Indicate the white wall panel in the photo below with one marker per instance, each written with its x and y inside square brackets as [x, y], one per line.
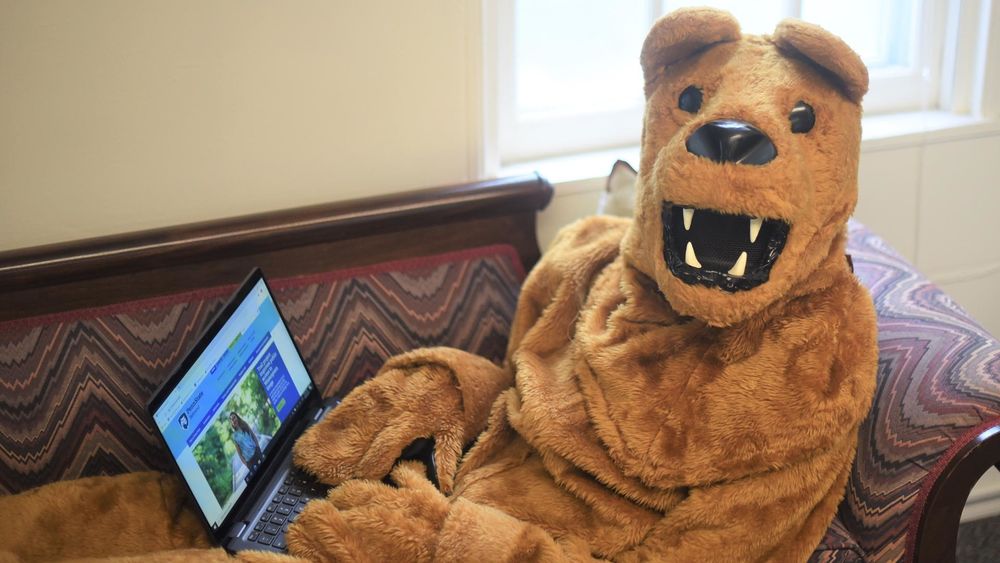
[984, 500]
[568, 206]
[959, 209]
[979, 297]
[887, 196]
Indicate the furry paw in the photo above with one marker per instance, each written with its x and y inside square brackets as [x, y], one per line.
[364, 520]
[366, 433]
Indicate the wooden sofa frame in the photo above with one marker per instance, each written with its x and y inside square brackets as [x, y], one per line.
[100, 271]
[935, 536]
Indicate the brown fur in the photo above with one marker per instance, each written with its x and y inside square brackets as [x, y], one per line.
[136, 517]
[648, 419]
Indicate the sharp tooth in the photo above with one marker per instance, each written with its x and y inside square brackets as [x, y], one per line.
[755, 229]
[740, 267]
[688, 215]
[689, 258]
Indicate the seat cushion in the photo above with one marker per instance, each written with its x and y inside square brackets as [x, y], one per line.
[73, 386]
[938, 377]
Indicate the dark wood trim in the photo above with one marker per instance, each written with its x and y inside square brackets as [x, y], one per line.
[937, 528]
[269, 231]
[310, 239]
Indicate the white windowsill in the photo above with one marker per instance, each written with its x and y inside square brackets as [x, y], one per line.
[586, 171]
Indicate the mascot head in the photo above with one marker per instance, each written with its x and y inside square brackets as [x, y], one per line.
[749, 162]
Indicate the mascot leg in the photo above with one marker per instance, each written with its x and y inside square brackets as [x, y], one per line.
[128, 514]
[434, 392]
[141, 517]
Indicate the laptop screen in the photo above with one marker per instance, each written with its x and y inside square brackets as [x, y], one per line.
[220, 417]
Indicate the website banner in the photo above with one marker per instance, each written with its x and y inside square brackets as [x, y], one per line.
[277, 382]
[221, 379]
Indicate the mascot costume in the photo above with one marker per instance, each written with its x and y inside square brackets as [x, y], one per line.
[684, 386]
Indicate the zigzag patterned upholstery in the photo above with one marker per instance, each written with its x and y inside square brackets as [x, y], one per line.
[938, 377]
[837, 546]
[73, 386]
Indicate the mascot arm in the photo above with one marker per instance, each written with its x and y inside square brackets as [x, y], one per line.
[433, 392]
[778, 515]
[559, 282]
[365, 520]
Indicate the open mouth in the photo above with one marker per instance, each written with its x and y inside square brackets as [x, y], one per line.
[731, 252]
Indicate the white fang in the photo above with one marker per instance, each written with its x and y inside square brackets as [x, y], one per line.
[755, 229]
[689, 258]
[740, 267]
[688, 216]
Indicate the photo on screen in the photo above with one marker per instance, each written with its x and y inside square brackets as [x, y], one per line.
[236, 438]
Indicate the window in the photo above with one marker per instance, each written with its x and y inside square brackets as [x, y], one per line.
[568, 77]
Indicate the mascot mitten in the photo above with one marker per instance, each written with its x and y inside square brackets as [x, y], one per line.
[439, 393]
[687, 386]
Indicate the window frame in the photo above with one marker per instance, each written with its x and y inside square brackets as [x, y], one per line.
[923, 86]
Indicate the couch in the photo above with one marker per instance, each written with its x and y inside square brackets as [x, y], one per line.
[89, 329]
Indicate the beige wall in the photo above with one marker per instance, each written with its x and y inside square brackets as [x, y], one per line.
[118, 115]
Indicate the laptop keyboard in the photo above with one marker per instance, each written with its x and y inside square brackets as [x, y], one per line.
[290, 500]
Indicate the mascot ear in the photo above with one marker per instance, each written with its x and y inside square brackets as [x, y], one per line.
[682, 33]
[838, 62]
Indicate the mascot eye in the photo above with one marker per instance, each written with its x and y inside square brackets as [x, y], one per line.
[690, 100]
[802, 117]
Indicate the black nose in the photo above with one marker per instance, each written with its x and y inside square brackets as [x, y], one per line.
[728, 140]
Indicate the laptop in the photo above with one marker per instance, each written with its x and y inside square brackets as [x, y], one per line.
[229, 415]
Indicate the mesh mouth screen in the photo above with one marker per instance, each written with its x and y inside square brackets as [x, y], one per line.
[718, 239]
[709, 247]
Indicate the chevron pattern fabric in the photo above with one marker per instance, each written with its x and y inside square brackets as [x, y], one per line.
[73, 386]
[837, 546]
[938, 376]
